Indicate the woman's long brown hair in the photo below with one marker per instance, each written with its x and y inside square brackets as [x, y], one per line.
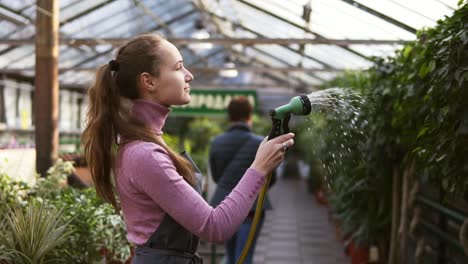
[109, 122]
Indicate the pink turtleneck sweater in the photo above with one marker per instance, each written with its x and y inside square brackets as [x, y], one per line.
[149, 187]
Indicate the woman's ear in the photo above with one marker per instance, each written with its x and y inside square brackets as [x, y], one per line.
[147, 82]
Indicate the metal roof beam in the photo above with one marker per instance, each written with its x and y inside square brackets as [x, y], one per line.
[216, 41]
[214, 85]
[8, 49]
[381, 16]
[14, 16]
[264, 69]
[207, 69]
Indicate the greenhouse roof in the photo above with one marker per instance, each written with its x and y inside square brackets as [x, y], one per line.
[276, 46]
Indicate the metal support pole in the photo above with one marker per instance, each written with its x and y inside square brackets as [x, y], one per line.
[46, 84]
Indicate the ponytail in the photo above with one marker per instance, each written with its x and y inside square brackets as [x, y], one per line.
[100, 135]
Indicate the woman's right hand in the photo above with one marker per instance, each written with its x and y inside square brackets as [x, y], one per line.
[270, 153]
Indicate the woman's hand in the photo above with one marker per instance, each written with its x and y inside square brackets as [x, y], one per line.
[271, 152]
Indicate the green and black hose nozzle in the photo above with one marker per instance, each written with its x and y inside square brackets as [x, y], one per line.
[299, 105]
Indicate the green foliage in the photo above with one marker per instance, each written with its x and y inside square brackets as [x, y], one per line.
[261, 125]
[429, 112]
[201, 131]
[94, 225]
[90, 223]
[196, 136]
[56, 179]
[415, 113]
[11, 193]
[29, 236]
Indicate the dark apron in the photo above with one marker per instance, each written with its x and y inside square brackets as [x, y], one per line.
[171, 243]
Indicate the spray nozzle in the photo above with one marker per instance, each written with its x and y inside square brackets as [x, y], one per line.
[299, 105]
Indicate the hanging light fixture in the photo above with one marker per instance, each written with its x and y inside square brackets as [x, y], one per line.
[200, 33]
[229, 70]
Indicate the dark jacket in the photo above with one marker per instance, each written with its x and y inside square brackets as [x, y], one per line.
[231, 154]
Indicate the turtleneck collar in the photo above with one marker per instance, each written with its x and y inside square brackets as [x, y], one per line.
[153, 115]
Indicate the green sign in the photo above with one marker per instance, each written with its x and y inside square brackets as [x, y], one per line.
[212, 102]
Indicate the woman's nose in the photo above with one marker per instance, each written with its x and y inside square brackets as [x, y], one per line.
[188, 76]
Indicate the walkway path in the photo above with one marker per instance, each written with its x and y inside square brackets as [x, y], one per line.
[297, 231]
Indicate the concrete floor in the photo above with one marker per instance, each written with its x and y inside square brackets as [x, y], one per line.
[298, 229]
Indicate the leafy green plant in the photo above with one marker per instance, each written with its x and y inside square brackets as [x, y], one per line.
[90, 224]
[12, 192]
[415, 113]
[31, 235]
[55, 181]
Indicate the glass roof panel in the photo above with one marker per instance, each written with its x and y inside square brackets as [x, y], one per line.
[283, 78]
[22, 32]
[293, 58]
[127, 30]
[88, 24]
[185, 25]
[351, 23]
[338, 57]
[18, 58]
[306, 77]
[261, 23]
[218, 58]
[6, 28]
[337, 19]
[326, 75]
[79, 6]
[288, 10]
[376, 50]
[17, 4]
[65, 4]
[415, 13]
[452, 4]
[333, 19]
[69, 57]
[30, 11]
[77, 77]
[257, 56]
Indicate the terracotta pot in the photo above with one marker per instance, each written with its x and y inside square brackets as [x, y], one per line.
[320, 197]
[359, 255]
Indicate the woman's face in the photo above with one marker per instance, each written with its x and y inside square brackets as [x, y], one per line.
[172, 85]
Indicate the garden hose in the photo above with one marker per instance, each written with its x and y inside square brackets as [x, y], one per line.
[299, 105]
[256, 219]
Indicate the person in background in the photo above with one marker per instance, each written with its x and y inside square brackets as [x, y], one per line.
[133, 168]
[231, 154]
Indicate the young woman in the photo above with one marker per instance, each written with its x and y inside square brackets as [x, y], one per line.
[157, 189]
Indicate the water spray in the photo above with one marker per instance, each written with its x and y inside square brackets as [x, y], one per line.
[280, 116]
